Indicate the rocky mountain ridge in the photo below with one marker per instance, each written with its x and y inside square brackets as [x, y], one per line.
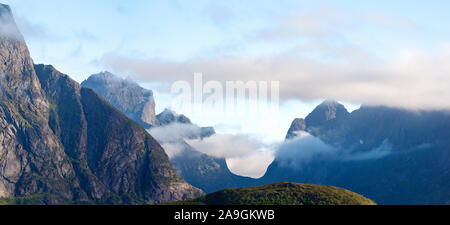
[65, 142]
[391, 155]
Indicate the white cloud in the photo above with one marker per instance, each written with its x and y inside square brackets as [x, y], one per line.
[8, 27]
[253, 165]
[173, 149]
[297, 152]
[226, 145]
[412, 78]
[383, 150]
[174, 132]
[320, 57]
[245, 155]
[306, 148]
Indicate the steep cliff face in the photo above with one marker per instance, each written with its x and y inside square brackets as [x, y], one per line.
[127, 96]
[31, 156]
[64, 141]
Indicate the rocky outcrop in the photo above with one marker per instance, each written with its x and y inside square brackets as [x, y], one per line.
[126, 95]
[168, 116]
[296, 126]
[329, 110]
[61, 140]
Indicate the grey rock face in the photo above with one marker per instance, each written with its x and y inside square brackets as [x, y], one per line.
[127, 96]
[296, 126]
[64, 141]
[168, 116]
[327, 111]
[325, 118]
[28, 148]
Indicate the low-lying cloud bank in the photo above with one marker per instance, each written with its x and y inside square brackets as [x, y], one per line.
[415, 75]
[248, 156]
[226, 145]
[296, 152]
[175, 132]
[252, 165]
[306, 148]
[173, 149]
[318, 57]
[245, 155]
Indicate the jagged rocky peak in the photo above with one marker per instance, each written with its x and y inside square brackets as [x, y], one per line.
[126, 95]
[14, 55]
[18, 81]
[168, 116]
[28, 147]
[327, 111]
[296, 126]
[110, 78]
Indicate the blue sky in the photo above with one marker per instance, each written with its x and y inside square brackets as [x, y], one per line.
[345, 50]
[82, 31]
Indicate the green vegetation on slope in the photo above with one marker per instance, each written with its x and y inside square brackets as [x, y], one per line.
[37, 199]
[282, 194]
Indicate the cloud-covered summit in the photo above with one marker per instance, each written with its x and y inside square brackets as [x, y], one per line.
[8, 27]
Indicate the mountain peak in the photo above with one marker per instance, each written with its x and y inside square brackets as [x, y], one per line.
[126, 95]
[169, 116]
[103, 76]
[328, 110]
[108, 78]
[5, 10]
[297, 125]
[4, 7]
[8, 27]
[168, 111]
[330, 103]
[16, 65]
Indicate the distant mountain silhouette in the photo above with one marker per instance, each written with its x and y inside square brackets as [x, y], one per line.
[393, 156]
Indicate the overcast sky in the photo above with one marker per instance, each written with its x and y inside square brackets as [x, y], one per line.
[363, 52]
